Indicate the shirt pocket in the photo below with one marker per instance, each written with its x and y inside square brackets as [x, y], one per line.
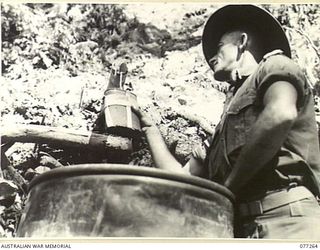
[241, 116]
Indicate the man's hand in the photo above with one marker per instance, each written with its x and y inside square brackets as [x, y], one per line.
[145, 120]
[159, 151]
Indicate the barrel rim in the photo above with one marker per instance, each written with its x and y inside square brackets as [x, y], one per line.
[122, 169]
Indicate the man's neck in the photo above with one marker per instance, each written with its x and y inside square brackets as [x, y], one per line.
[246, 66]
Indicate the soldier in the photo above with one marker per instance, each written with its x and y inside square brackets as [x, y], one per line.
[265, 148]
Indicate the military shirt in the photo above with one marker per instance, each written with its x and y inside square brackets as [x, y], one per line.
[297, 161]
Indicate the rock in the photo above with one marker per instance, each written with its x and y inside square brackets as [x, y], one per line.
[183, 150]
[29, 174]
[42, 169]
[8, 192]
[191, 131]
[2, 232]
[182, 101]
[152, 48]
[148, 33]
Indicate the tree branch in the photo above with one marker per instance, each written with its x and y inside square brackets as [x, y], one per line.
[63, 137]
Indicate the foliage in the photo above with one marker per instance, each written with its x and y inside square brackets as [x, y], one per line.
[72, 35]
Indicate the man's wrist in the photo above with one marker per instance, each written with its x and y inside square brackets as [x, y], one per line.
[151, 130]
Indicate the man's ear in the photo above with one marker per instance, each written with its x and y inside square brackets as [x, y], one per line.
[243, 42]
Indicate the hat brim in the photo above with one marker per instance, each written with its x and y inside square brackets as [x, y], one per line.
[250, 17]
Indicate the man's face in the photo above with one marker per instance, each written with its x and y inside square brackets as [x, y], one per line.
[225, 61]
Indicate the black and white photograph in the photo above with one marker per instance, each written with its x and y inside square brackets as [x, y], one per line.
[160, 121]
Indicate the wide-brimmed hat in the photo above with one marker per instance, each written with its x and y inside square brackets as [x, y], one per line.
[247, 17]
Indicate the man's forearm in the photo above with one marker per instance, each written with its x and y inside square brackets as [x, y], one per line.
[162, 157]
[268, 135]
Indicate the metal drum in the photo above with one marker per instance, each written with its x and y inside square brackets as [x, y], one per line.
[113, 200]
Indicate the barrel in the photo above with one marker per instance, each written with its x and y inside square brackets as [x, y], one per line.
[115, 200]
[118, 115]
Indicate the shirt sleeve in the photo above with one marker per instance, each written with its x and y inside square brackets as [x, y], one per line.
[281, 68]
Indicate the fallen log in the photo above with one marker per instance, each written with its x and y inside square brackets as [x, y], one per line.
[63, 137]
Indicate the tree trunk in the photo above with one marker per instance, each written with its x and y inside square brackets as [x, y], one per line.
[63, 137]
